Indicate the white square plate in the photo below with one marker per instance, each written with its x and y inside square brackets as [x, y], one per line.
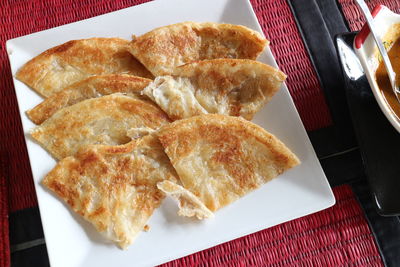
[71, 241]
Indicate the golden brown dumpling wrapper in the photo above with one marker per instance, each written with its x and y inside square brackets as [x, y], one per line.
[91, 87]
[104, 120]
[114, 187]
[73, 61]
[221, 158]
[164, 48]
[235, 87]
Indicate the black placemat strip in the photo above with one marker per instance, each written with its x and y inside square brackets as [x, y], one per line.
[343, 168]
[35, 256]
[333, 17]
[27, 245]
[320, 45]
[321, 140]
[25, 226]
[27, 242]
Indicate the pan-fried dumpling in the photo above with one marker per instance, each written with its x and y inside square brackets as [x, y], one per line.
[73, 61]
[114, 187]
[104, 120]
[220, 158]
[91, 87]
[162, 49]
[235, 87]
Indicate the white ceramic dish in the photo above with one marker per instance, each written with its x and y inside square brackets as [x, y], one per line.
[71, 241]
[366, 50]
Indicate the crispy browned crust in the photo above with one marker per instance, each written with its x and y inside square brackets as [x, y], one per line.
[73, 61]
[220, 158]
[164, 48]
[114, 187]
[103, 120]
[91, 87]
[235, 87]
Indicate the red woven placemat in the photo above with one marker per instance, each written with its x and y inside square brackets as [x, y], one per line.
[338, 236]
[4, 240]
[353, 15]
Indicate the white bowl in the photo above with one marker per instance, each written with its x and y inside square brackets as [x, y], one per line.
[367, 52]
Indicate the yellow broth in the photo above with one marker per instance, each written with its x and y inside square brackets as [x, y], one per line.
[383, 80]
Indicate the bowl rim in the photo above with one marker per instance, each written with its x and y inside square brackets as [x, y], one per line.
[384, 18]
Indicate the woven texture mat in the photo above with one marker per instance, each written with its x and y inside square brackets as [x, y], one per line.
[339, 235]
[4, 240]
[356, 19]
